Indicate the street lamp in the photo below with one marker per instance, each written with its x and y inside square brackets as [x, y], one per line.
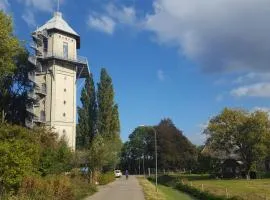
[155, 150]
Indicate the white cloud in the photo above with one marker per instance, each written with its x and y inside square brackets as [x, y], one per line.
[41, 5]
[123, 15]
[160, 75]
[254, 90]
[219, 35]
[4, 5]
[252, 77]
[101, 23]
[112, 17]
[29, 18]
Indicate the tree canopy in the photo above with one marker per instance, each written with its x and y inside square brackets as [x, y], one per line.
[175, 151]
[237, 133]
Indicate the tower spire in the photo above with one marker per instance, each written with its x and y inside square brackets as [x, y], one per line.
[58, 5]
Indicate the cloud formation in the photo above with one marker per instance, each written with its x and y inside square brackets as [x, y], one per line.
[101, 23]
[254, 90]
[221, 35]
[112, 17]
[41, 5]
[29, 18]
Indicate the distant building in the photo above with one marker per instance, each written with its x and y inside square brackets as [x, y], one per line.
[57, 69]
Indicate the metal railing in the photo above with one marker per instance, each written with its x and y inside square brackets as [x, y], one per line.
[59, 55]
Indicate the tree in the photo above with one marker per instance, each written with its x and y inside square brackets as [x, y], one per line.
[174, 150]
[9, 49]
[108, 122]
[238, 133]
[105, 99]
[87, 126]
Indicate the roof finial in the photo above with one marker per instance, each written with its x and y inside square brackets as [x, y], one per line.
[58, 5]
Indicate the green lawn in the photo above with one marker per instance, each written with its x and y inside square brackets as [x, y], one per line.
[253, 189]
[172, 194]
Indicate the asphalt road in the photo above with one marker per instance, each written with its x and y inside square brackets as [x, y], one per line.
[121, 189]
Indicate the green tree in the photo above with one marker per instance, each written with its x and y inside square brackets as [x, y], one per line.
[236, 132]
[105, 100]
[87, 126]
[19, 156]
[9, 49]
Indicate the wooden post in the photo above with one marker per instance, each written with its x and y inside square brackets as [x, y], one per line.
[227, 195]
[202, 187]
[191, 184]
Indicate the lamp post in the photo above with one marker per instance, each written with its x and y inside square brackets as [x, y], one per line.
[155, 153]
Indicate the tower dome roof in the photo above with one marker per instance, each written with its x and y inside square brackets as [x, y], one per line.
[58, 23]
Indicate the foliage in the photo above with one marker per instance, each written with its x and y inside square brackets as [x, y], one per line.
[150, 190]
[205, 163]
[9, 45]
[106, 178]
[174, 150]
[14, 68]
[19, 156]
[55, 156]
[87, 120]
[52, 187]
[105, 99]
[236, 132]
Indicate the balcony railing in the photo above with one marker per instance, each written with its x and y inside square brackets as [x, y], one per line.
[78, 59]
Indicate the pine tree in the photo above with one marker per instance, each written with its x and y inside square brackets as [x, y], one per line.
[105, 99]
[87, 114]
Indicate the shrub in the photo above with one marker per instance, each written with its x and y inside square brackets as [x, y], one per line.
[53, 187]
[106, 178]
[19, 155]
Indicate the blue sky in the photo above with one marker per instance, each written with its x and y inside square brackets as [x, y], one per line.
[182, 59]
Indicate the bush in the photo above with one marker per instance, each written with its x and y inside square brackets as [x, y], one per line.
[106, 178]
[19, 156]
[53, 187]
[82, 188]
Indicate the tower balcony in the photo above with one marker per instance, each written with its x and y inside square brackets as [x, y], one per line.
[80, 62]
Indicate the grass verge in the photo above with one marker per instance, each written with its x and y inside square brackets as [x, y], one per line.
[172, 194]
[149, 190]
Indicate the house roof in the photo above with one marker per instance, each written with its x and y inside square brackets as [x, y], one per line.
[58, 23]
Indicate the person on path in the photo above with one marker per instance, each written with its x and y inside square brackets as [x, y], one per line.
[126, 174]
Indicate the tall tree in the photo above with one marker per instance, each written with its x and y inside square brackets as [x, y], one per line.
[9, 49]
[105, 99]
[87, 126]
[240, 133]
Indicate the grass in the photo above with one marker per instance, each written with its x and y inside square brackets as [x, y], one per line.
[81, 188]
[252, 189]
[172, 194]
[149, 190]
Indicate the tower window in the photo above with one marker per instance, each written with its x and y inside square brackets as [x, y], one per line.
[65, 102]
[65, 90]
[65, 50]
[64, 114]
[64, 131]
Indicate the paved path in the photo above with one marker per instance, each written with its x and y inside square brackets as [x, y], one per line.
[121, 189]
